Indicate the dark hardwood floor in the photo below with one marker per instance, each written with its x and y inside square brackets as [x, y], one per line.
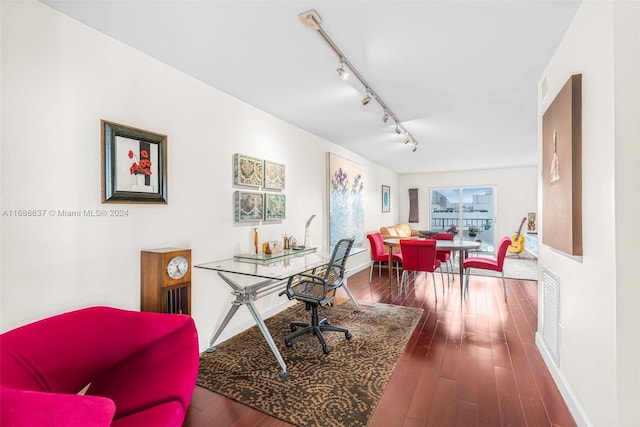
[467, 364]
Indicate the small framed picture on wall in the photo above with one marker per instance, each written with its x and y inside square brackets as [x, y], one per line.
[249, 206]
[134, 164]
[275, 207]
[386, 198]
[247, 171]
[273, 175]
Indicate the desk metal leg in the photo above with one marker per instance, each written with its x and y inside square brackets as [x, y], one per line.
[226, 320]
[261, 326]
[246, 297]
[267, 336]
[344, 285]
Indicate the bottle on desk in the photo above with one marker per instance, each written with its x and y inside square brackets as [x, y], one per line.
[255, 240]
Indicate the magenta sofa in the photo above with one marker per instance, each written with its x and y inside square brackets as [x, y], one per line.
[141, 367]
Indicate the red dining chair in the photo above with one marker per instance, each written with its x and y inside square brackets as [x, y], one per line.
[444, 256]
[488, 264]
[380, 255]
[420, 255]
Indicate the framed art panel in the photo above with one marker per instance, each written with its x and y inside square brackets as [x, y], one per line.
[273, 175]
[346, 200]
[249, 206]
[562, 170]
[247, 171]
[386, 198]
[134, 164]
[413, 205]
[275, 207]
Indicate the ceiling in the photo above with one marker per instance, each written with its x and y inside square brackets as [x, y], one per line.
[461, 76]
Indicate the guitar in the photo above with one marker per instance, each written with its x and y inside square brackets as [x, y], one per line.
[517, 240]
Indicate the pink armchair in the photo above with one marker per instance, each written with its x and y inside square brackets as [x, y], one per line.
[140, 369]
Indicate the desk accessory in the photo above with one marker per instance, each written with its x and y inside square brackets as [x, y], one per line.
[255, 239]
[307, 241]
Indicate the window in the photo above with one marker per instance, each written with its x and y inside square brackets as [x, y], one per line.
[471, 210]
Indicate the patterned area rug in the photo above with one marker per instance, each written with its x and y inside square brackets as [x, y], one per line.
[341, 388]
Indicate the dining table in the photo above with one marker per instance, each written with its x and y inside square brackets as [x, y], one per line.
[459, 245]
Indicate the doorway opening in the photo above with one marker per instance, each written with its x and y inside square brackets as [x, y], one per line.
[470, 211]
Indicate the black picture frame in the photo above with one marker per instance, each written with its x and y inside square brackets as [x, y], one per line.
[386, 198]
[134, 164]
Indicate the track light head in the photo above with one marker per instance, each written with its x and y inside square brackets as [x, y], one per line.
[398, 130]
[406, 139]
[414, 148]
[342, 72]
[367, 98]
[386, 116]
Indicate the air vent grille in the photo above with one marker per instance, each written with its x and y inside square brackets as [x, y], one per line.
[551, 298]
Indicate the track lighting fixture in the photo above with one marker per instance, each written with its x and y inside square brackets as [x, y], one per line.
[342, 72]
[367, 98]
[311, 19]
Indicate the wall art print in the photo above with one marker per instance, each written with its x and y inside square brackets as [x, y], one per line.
[273, 175]
[386, 198]
[247, 171]
[562, 169]
[413, 205]
[274, 207]
[249, 206]
[531, 222]
[346, 200]
[134, 164]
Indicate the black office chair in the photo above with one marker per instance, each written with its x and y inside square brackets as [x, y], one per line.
[318, 288]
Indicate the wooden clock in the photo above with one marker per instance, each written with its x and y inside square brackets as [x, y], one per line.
[165, 280]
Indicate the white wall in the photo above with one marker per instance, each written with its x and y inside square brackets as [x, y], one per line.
[516, 192]
[59, 78]
[599, 298]
[627, 167]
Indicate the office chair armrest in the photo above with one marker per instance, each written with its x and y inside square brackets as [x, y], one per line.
[299, 278]
[311, 276]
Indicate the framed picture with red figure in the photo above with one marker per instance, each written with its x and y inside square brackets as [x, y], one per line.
[134, 164]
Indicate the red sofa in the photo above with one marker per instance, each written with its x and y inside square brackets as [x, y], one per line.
[140, 369]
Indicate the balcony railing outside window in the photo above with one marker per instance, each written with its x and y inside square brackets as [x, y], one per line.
[478, 211]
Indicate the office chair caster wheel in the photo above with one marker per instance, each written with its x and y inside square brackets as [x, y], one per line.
[293, 328]
[288, 343]
[348, 335]
[326, 349]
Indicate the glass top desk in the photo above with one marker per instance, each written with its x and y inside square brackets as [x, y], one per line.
[254, 276]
